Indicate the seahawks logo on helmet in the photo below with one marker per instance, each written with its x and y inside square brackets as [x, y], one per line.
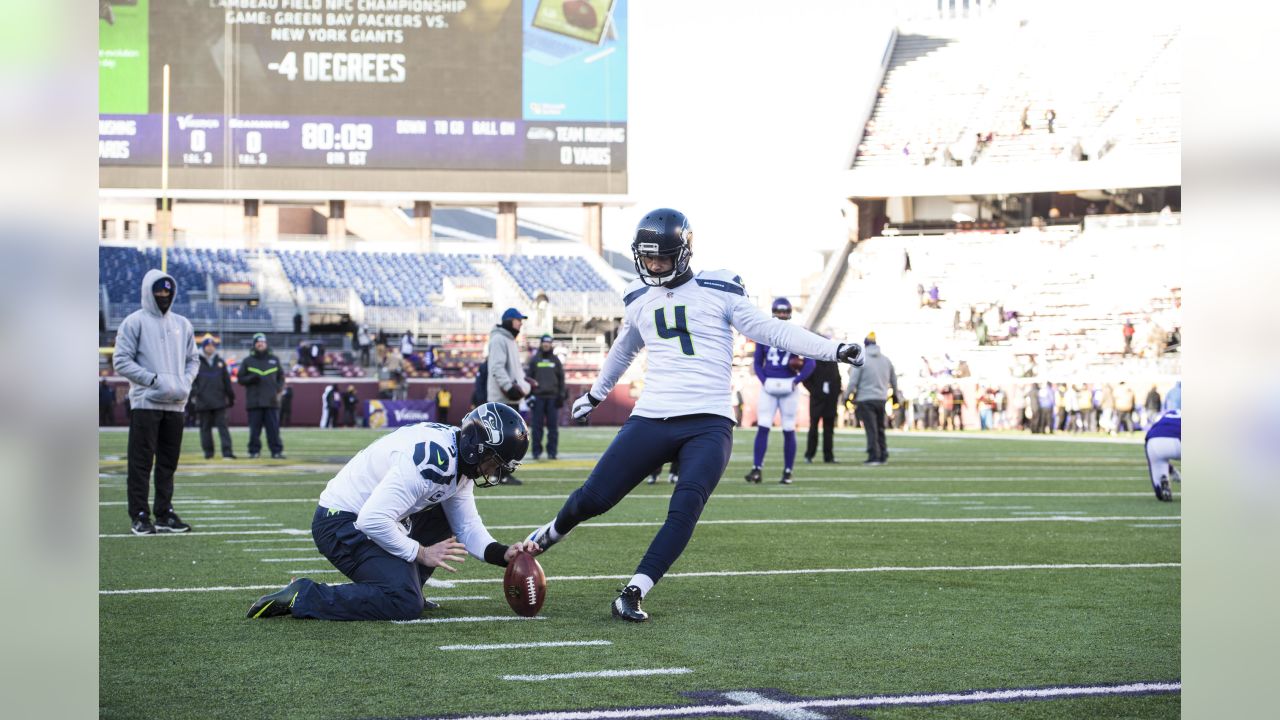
[492, 425]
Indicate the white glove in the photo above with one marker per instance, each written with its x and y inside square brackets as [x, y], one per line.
[850, 353]
[583, 406]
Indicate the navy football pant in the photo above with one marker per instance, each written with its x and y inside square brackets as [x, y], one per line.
[702, 445]
[383, 587]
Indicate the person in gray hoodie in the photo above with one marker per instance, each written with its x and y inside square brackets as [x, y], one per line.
[869, 389]
[156, 350]
[507, 383]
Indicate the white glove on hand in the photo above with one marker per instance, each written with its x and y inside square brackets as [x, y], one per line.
[850, 353]
[583, 406]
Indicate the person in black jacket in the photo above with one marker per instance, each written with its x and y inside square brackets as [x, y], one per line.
[549, 392]
[480, 394]
[350, 406]
[824, 402]
[212, 394]
[263, 380]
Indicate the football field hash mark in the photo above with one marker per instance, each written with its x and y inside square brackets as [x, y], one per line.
[776, 708]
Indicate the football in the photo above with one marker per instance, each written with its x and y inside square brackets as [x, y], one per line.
[525, 585]
[796, 363]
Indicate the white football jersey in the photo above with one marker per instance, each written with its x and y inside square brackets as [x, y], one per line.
[689, 333]
[409, 470]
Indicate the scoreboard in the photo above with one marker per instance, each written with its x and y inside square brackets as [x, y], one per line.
[496, 95]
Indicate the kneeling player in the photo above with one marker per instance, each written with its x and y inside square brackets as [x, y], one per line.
[1164, 443]
[394, 512]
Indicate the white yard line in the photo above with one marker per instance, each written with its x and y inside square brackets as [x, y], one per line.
[743, 573]
[520, 646]
[773, 707]
[1058, 517]
[780, 493]
[598, 674]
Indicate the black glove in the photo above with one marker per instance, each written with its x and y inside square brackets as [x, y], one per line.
[850, 353]
[514, 392]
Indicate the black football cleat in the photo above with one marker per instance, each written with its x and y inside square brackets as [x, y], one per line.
[627, 605]
[430, 604]
[653, 479]
[512, 480]
[754, 476]
[786, 477]
[276, 604]
[1163, 493]
[142, 525]
[673, 478]
[171, 523]
[278, 456]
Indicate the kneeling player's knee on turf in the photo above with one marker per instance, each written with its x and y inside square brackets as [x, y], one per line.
[406, 604]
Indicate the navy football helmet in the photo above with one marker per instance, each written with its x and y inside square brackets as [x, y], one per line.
[782, 308]
[662, 233]
[492, 431]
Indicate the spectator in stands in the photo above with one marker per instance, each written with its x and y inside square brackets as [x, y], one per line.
[920, 293]
[365, 343]
[297, 323]
[933, 295]
[156, 351]
[444, 400]
[1049, 118]
[824, 401]
[980, 331]
[1024, 122]
[263, 380]
[286, 406]
[869, 386]
[212, 394]
[106, 403]
[1128, 332]
[549, 393]
[506, 373]
[350, 406]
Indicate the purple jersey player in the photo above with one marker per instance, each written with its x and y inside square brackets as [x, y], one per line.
[780, 375]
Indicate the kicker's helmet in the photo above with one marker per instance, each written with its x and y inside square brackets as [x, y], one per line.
[782, 308]
[662, 233]
[492, 430]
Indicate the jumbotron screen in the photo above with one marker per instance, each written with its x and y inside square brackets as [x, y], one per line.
[451, 95]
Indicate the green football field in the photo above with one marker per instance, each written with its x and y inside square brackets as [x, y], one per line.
[970, 578]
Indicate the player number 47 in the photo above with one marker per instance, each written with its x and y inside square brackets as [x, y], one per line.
[679, 331]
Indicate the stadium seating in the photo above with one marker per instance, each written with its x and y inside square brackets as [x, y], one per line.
[1072, 291]
[121, 269]
[534, 273]
[1111, 89]
[380, 279]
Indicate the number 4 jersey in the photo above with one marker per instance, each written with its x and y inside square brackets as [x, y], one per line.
[688, 331]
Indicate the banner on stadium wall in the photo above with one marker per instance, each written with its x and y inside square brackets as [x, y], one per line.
[398, 413]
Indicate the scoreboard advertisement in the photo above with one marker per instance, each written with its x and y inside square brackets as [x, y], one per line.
[499, 95]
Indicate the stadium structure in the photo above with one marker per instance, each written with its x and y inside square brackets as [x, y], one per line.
[1023, 166]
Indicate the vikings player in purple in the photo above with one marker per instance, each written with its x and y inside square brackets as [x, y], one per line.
[780, 375]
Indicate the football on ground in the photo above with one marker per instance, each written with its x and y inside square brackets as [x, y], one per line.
[525, 585]
[796, 363]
